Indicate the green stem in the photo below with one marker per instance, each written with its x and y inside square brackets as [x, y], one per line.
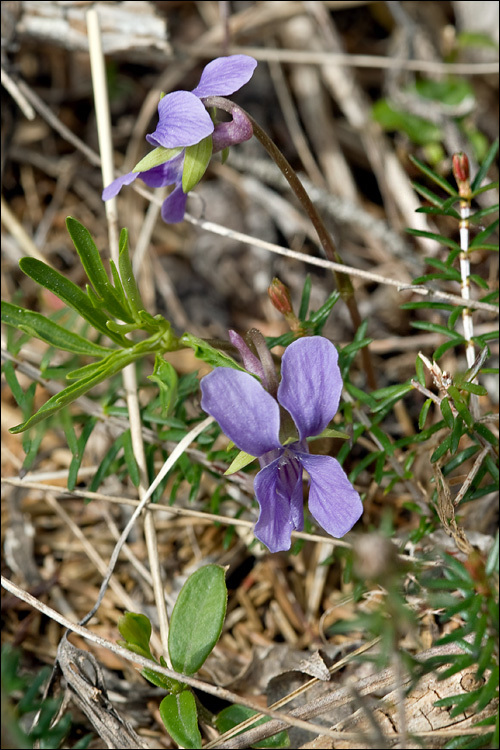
[342, 280]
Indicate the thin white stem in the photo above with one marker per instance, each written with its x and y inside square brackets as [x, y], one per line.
[465, 289]
[129, 375]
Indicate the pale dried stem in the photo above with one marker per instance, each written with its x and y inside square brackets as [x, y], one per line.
[465, 289]
[129, 374]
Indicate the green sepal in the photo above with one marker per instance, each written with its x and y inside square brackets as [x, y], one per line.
[178, 713]
[39, 326]
[242, 459]
[197, 618]
[236, 714]
[329, 432]
[206, 352]
[156, 157]
[166, 378]
[224, 154]
[195, 163]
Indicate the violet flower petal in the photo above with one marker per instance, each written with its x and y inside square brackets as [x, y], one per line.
[183, 121]
[164, 174]
[174, 206]
[333, 501]
[281, 504]
[112, 190]
[225, 75]
[311, 384]
[247, 414]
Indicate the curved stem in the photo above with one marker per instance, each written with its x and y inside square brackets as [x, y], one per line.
[342, 280]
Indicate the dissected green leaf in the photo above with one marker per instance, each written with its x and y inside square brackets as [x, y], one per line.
[70, 294]
[197, 618]
[127, 275]
[76, 461]
[178, 713]
[206, 352]
[115, 303]
[102, 370]
[39, 326]
[165, 376]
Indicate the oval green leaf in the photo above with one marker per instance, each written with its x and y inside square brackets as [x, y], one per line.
[197, 618]
[178, 713]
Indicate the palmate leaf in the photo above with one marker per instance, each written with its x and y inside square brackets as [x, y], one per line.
[37, 325]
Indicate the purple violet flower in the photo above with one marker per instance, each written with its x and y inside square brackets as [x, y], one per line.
[183, 122]
[309, 390]
[168, 173]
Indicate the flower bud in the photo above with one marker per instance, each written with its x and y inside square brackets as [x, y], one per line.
[279, 295]
[461, 173]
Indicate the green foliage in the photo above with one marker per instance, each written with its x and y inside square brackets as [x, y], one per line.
[231, 716]
[178, 713]
[197, 619]
[312, 325]
[18, 713]
[195, 628]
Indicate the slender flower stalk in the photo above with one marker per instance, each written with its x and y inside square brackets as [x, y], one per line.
[342, 280]
[461, 174]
